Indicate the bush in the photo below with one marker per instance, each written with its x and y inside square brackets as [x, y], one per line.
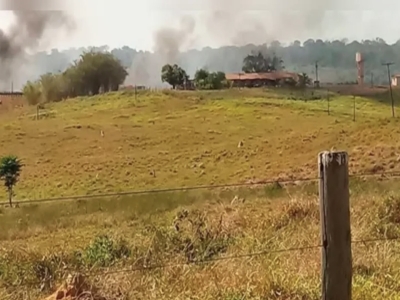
[210, 80]
[32, 92]
[93, 73]
[104, 251]
[389, 218]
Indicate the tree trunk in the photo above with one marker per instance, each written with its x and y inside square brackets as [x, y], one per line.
[10, 193]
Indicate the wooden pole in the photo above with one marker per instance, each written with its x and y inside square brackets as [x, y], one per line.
[135, 92]
[327, 95]
[335, 226]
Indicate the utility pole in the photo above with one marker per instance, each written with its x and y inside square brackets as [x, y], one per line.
[12, 92]
[316, 74]
[390, 84]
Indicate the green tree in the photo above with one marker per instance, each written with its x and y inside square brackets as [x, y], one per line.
[259, 63]
[209, 80]
[10, 170]
[100, 71]
[51, 87]
[173, 75]
[92, 73]
[303, 80]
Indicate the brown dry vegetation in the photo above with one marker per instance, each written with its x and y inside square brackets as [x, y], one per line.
[192, 139]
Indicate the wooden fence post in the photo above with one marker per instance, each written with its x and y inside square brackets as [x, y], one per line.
[335, 226]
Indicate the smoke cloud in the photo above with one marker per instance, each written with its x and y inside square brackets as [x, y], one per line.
[168, 43]
[29, 30]
[234, 22]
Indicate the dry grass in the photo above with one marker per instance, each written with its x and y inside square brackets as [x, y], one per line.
[192, 139]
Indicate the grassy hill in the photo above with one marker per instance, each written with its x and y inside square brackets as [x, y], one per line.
[189, 139]
[119, 142]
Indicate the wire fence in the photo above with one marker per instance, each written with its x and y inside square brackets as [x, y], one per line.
[224, 258]
[319, 100]
[136, 267]
[258, 183]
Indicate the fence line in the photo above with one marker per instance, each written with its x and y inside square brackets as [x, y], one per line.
[392, 174]
[224, 258]
[166, 190]
[325, 100]
[336, 243]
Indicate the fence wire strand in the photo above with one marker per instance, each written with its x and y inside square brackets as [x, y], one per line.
[166, 190]
[392, 174]
[224, 258]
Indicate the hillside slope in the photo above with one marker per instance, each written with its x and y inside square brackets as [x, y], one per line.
[167, 139]
[250, 242]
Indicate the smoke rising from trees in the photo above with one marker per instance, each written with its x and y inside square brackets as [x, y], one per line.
[233, 23]
[211, 22]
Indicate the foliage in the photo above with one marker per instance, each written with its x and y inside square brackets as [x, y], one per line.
[174, 75]
[104, 251]
[10, 170]
[304, 80]
[206, 80]
[93, 73]
[198, 238]
[336, 59]
[260, 63]
[32, 92]
[389, 217]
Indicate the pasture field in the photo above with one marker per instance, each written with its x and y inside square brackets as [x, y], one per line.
[159, 140]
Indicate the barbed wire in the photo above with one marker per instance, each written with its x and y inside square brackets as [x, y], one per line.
[376, 240]
[391, 174]
[166, 190]
[200, 262]
[105, 272]
[224, 258]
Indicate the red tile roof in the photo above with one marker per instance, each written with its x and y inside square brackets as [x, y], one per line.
[262, 76]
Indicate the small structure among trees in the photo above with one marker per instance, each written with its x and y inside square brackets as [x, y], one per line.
[263, 79]
[263, 70]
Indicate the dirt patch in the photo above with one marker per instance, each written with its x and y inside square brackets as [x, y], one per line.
[75, 287]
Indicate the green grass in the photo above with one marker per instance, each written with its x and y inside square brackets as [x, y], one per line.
[186, 139]
[189, 139]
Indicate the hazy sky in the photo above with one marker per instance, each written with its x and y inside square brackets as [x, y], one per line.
[221, 22]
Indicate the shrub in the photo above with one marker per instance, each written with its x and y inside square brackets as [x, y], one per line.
[104, 251]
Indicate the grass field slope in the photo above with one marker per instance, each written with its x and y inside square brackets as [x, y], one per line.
[207, 243]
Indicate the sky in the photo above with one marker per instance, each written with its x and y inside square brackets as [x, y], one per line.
[217, 22]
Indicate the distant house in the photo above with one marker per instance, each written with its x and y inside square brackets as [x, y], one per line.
[262, 79]
[11, 99]
[132, 87]
[396, 80]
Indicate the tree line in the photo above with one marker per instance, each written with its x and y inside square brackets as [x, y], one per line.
[203, 79]
[97, 72]
[336, 58]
